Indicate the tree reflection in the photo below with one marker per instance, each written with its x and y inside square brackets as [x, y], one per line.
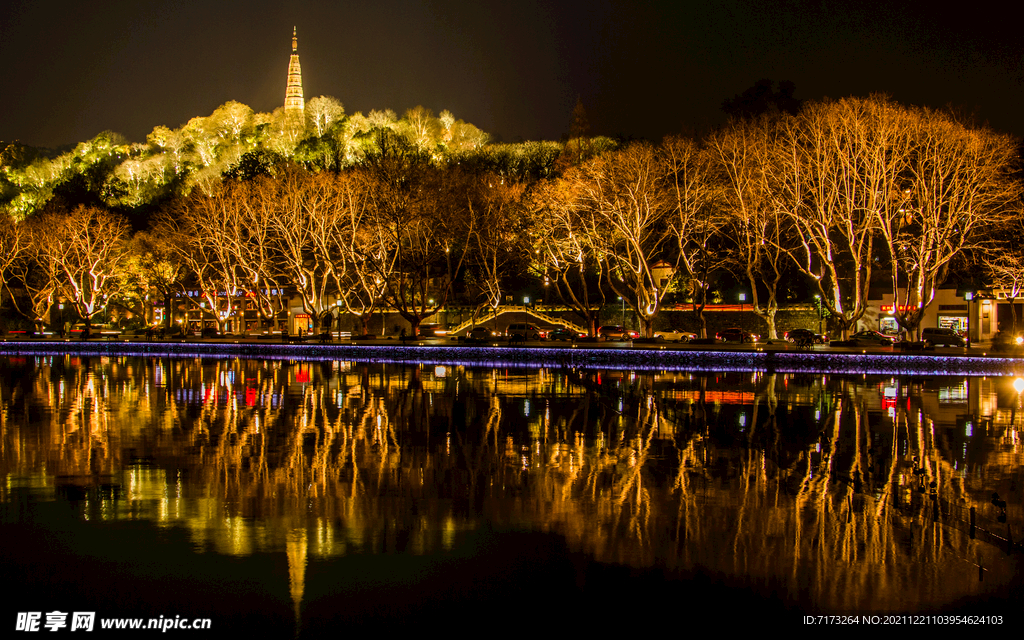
[855, 490]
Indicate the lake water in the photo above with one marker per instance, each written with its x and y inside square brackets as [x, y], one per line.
[289, 497]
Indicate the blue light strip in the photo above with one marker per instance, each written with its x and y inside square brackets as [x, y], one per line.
[532, 357]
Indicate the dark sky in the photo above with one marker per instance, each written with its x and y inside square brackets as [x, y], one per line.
[515, 69]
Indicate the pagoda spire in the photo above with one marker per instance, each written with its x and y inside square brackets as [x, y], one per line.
[293, 92]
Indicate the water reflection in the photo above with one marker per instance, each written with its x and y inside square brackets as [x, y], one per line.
[844, 494]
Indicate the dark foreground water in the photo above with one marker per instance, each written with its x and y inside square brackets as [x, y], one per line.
[315, 498]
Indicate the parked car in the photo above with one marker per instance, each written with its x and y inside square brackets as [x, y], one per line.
[1007, 341]
[871, 338]
[480, 333]
[940, 337]
[563, 333]
[524, 331]
[735, 334]
[617, 332]
[805, 336]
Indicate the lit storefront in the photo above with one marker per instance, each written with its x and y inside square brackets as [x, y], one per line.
[975, 315]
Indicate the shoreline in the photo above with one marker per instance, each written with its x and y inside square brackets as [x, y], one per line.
[668, 356]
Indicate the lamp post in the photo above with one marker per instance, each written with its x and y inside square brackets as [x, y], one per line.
[968, 298]
[623, 312]
[817, 308]
[1018, 386]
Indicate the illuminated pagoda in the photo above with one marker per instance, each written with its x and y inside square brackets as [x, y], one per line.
[293, 101]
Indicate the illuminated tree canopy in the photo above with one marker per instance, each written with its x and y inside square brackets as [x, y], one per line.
[356, 214]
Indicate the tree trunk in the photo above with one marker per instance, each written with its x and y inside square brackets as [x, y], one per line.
[168, 311]
[769, 317]
[647, 326]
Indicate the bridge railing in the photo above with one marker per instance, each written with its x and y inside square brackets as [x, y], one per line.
[511, 308]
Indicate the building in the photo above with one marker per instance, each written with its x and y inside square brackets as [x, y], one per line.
[978, 315]
[293, 100]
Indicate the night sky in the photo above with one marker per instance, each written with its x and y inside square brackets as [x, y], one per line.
[514, 69]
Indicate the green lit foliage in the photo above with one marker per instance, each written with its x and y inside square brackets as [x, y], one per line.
[254, 164]
[232, 141]
[458, 136]
[322, 114]
[519, 161]
[77, 176]
[137, 180]
[421, 128]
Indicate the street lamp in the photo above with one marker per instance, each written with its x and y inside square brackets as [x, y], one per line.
[1018, 386]
[623, 312]
[817, 308]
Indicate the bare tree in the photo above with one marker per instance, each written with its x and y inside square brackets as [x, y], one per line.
[836, 174]
[566, 250]
[421, 210]
[1001, 257]
[368, 242]
[957, 184]
[300, 244]
[84, 251]
[697, 219]
[627, 196]
[498, 235]
[32, 282]
[206, 232]
[421, 128]
[13, 243]
[152, 272]
[756, 228]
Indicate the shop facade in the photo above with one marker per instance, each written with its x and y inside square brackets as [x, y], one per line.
[977, 316]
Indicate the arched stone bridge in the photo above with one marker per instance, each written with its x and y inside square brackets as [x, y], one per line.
[540, 315]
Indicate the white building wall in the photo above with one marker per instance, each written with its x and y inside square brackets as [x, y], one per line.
[977, 318]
